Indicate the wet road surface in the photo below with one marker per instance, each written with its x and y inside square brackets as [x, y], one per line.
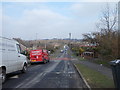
[55, 74]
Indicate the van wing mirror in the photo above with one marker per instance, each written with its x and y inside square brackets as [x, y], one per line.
[23, 52]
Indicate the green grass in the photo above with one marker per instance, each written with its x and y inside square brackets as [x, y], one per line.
[95, 79]
[97, 61]
[104, 62]
[81, 58]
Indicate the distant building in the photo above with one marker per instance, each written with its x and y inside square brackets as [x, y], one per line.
[87, 44]
[56, 45]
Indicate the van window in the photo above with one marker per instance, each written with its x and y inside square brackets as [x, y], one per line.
[18, 48]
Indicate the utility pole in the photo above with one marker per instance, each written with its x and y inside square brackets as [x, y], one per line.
[45, 46]
[36, 40]
[69, 39]
[69, 36]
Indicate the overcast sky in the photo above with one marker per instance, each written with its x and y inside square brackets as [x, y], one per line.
[47, 20]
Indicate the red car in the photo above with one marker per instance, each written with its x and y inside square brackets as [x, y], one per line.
[39, 56]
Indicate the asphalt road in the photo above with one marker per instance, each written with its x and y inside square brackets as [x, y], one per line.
[59, 73]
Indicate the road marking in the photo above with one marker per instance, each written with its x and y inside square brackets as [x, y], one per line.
[16, 76]
[71, 72]
[58, 72]
[29, 82]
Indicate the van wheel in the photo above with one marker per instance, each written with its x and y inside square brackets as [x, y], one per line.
[3, 75]
[24, 68]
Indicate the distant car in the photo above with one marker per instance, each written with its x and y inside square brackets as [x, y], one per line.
[61, 51]
[11, 58]
[39, 56]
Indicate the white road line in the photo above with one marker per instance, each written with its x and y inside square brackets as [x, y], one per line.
[34, 80]
[16, 76]
[31, 81]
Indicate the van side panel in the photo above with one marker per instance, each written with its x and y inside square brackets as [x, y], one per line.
[0, 55]
[11, 58]
[12, 55]
[4, 56]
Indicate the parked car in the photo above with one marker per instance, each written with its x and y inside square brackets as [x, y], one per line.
[61, 51]
[39, 56]
[11, 58]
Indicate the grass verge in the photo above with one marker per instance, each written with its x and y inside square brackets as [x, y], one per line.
[95, 79]
[104, 62]
[97, 61]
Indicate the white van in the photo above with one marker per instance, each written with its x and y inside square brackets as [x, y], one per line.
[11, 58]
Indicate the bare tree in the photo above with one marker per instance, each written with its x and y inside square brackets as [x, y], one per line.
[108, 20]
[107, 37]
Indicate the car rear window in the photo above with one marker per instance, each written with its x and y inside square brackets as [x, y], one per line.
[36, 52]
